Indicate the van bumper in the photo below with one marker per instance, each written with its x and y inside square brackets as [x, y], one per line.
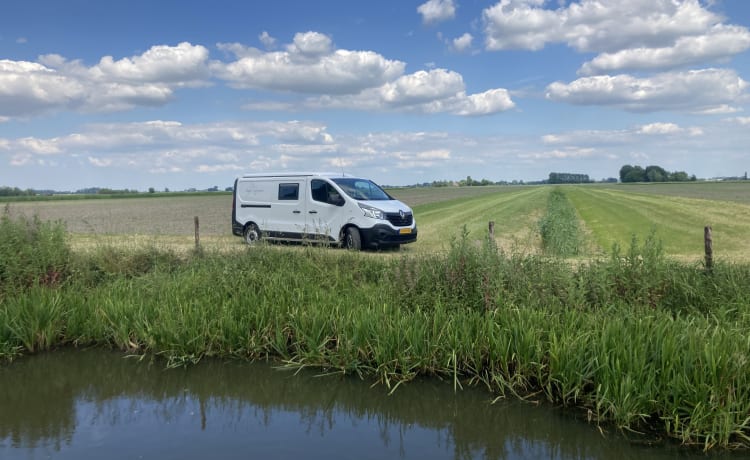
[382, 235]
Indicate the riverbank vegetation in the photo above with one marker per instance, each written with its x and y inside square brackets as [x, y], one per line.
[634, 339]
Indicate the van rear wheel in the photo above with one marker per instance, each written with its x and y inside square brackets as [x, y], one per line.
[352, 239]
[252, 233]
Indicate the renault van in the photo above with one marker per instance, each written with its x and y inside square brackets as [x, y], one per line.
[337, 209]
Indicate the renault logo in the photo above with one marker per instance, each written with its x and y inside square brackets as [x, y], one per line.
[401, 214]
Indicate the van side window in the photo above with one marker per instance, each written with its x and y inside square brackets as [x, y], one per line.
[324, 192]
[288, 192]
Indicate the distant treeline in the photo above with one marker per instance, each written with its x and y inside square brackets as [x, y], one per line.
[629, 173]
[568, 178]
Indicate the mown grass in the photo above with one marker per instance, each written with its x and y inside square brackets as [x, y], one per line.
[608, 215]
[730, 191]
[613, 216]
[515, 212]
[633, 339]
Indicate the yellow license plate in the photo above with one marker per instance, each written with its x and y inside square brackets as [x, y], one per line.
[405, 231]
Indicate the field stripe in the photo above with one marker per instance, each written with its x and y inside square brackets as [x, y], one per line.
[515, 215]
[615, 216]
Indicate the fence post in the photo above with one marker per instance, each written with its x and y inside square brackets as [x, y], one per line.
[709, 245]
[492, 229]
[197, 233]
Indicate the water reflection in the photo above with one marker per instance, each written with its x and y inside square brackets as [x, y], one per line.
[96, 404]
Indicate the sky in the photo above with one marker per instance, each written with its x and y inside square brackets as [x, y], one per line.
[183, 94]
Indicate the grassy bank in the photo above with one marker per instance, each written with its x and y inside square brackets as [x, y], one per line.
[633, 339]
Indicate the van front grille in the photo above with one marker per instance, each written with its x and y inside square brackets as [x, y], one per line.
[397, 221]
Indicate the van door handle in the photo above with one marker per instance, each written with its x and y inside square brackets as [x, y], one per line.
[296, 212]
[313, 212]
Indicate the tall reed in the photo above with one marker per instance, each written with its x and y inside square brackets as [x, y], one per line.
[559, 227]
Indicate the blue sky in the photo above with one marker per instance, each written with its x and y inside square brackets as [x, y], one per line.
[187, 94]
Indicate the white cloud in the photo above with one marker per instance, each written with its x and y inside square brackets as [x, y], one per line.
[675, 91]
[463, 42]
[488, 102]
[720, 42]
[309, 65]
[630, 35]
[439, 154]
[21, 40]
[717, 110]
[310, 44]
[434, 11]
[268, 41]
[54, 83]
[422, 87]
[741, 120]
[28, 88]
[100, 162]
[434, 91]
[659, 128]
[183, 65]
[635, 135]
[360, 80]
[218, 168]
[163, 145]
[594, 25]
[560, 154]
[21, 159]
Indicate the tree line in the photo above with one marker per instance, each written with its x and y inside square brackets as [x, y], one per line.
[568, 178]
[630, 173]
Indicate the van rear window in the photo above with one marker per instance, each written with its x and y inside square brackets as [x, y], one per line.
[288, 192]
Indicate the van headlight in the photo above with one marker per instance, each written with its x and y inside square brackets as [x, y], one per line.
[373, 213]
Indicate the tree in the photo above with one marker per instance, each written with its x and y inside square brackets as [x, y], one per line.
[624, 171]
[679, 176]
[656, 174]
[635, 174]
[652, 173]
[568, 178]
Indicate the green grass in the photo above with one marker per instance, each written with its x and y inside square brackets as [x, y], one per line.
[559, 227]
[737, 191]
[636, 340]
[514, 210]
[608, 215]
[613, 216]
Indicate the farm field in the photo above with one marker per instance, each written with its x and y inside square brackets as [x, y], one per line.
[738, 191]
[675, 213]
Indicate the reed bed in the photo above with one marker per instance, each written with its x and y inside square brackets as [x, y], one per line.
[559, 228]
[634, 340]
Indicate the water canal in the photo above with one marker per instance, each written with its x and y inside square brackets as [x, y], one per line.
[97, 404]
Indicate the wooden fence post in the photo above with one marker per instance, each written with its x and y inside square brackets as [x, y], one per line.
[492, 229]
[709, 245]
[197, 233]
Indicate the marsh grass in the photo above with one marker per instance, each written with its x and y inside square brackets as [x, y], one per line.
[635, 340]
[559, 227]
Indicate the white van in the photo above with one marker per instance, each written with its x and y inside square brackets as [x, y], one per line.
[319, 207]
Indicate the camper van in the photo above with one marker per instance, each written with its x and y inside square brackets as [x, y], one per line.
[319, 207]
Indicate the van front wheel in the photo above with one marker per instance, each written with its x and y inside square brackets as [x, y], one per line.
[352, 239]
[252, 233]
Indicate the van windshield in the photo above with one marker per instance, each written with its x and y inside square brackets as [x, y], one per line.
[362, 189]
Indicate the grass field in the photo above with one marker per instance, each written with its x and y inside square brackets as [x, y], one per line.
[738, 191]
[609, 214]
